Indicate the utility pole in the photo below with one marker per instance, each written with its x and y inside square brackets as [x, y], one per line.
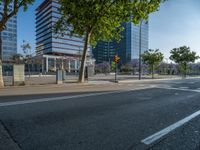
[140, 50]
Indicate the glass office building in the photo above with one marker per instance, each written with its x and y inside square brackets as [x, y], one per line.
[127, 48]
[9, 38]
[64, 50]
[47, 42]
[104, 51]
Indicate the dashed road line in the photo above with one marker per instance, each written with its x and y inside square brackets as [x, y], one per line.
[184, 87]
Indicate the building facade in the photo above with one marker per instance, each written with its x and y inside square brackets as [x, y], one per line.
[9, 38]
[127, 48]
[104, 51]
[47, 42]
[53, 46]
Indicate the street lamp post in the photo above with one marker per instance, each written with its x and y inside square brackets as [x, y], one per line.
[140, 51]
[109, 52]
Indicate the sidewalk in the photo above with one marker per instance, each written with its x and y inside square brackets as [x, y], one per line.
[62, 88]
[90, 86]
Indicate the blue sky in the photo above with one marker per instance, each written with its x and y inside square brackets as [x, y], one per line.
[177, 23]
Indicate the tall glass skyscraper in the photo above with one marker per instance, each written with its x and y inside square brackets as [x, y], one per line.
[47, 42]
[9, 38]
[104, 51]
[127, 48]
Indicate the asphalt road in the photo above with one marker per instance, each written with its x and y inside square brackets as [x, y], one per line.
[118, 120]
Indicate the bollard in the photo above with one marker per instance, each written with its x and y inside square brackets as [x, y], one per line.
[59, 79]
[64, 77]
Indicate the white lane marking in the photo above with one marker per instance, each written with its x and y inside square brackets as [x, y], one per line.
[66, 97]
[180, 89]
[165, 131]
[183, 87]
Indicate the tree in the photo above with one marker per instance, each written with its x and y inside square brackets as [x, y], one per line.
[103, 67]
[113, 66]
[127, 68]
[152, 58]
[10, 9]
[97, 20]
[18, 58]
[182, 56]
[164, 68]
[26, 47]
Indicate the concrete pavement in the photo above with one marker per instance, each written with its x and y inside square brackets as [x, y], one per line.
[118, 120]
[51, 79]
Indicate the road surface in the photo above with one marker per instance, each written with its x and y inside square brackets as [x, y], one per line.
[164, 115]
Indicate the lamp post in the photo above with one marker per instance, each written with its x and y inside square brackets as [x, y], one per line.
[140, 51]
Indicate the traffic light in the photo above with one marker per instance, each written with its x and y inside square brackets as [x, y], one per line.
[116, 59]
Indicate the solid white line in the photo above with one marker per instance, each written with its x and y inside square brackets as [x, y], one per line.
[180, 89]
[65, 97]
[50, 99]
[183, 87]
[160, 134]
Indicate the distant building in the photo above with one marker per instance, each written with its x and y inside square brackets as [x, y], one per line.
[127, 48]
[104, 51]
[54, 47]
[9, 38]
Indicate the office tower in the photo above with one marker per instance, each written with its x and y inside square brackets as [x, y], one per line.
[127, 48]
[52, 46]
[9, 38]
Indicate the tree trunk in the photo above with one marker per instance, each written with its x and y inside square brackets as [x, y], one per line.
[185, 70]
[29, 70]
[152, 71]
[1, 63]
[84, 57]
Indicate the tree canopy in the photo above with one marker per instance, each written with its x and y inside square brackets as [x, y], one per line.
[101, 19]
[152, 58]
[10, 9]
[26, 47]
[182, 56]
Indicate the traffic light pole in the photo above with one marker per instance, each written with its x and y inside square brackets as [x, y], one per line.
[116, 60]
[115, 72]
